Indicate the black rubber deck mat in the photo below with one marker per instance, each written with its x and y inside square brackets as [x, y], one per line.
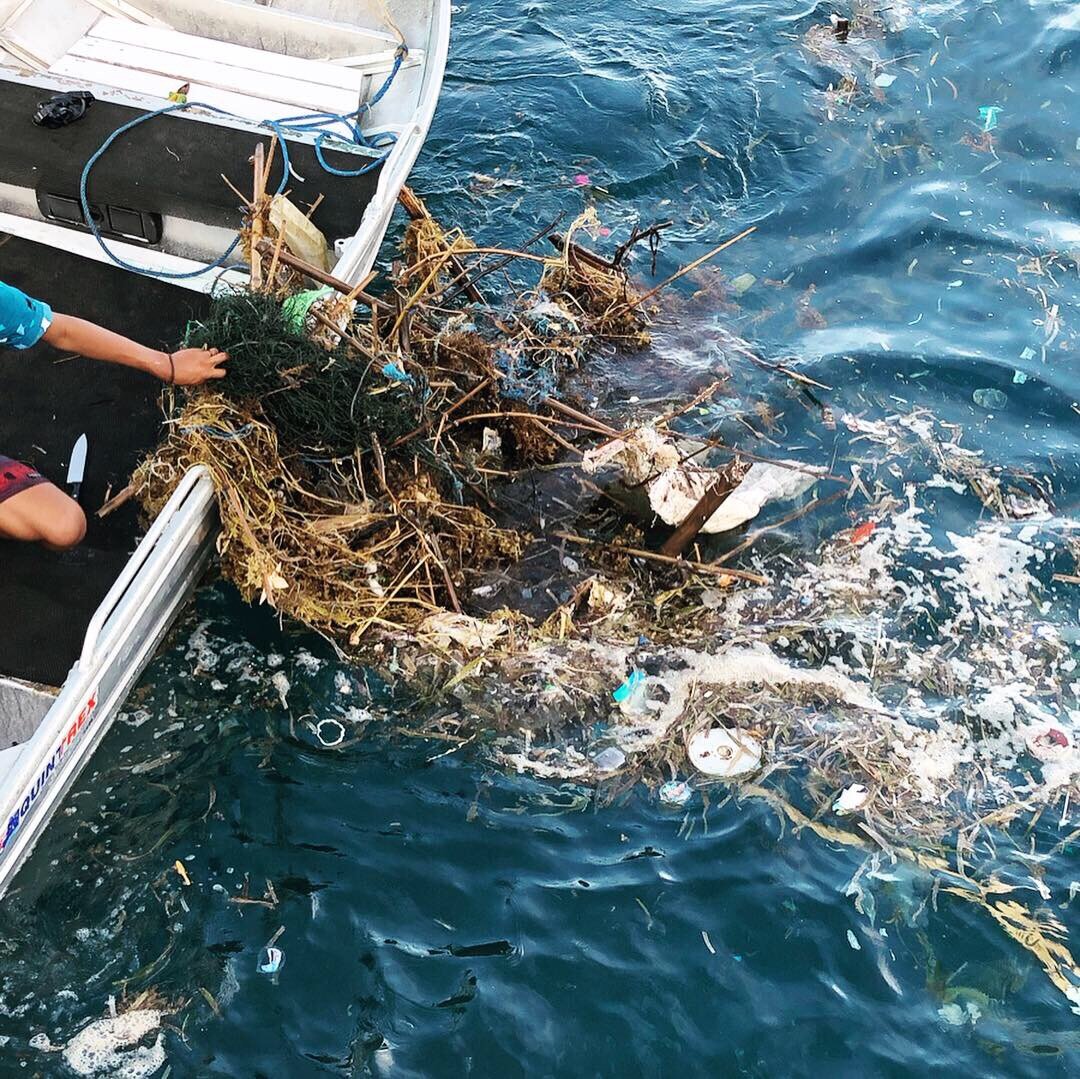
[169, 165]
[46, 401]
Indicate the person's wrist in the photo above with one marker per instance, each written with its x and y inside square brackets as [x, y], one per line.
[164, 368]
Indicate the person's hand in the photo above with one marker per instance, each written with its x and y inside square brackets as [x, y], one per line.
[194, 366]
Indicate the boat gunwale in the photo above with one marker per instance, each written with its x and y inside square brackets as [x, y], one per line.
[186, 521]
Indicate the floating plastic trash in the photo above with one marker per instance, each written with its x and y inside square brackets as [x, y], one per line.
[1048, 743]
[1019, 378]
[336, 729]
[884, 80]
[492, 443]
[396, 373]
[675, 488]
[271, 960]
[721, 752]
[851, 799]
[861, 533]
[990, 399]
[1028, 353]
[296, 308]
[989, 116]
[582, 179]
[631, 695]
[302, 237]
[743, 283]
[676, 792]
[610, 759]
[548, 317]
[281, 683]
[630, 686]
[955, 1015]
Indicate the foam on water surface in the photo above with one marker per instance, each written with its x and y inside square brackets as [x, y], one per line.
[129, 1046]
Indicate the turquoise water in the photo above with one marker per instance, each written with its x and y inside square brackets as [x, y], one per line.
[444, 918]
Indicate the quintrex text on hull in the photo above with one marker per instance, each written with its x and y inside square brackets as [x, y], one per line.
[132, 233]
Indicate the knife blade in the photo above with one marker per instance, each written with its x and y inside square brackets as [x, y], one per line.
[77, 467]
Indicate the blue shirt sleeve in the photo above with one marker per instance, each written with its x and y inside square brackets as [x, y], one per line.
[23, 321]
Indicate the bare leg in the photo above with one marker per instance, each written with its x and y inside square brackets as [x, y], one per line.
[43, 514]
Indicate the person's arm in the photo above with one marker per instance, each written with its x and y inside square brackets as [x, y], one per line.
[188, 367]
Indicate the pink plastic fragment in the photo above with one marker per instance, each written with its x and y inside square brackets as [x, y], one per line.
[582, 179]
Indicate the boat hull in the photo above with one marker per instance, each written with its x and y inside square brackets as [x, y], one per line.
[121, 639]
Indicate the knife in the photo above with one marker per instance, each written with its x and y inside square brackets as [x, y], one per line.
[77, 468]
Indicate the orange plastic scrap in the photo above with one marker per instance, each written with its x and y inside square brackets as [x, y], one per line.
[863, 532]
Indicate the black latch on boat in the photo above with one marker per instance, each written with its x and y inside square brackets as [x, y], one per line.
[63, 109]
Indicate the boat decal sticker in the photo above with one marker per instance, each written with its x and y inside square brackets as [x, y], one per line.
[26, 804]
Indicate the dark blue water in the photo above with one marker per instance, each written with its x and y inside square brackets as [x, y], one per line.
[444, 918]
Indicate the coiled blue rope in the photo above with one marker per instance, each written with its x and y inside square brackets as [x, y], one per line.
[321, 122]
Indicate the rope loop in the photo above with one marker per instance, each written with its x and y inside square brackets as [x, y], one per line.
[319, 123]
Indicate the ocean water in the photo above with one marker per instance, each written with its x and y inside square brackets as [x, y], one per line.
[441, 917]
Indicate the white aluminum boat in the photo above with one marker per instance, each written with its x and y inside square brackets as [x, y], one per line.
[350, 87]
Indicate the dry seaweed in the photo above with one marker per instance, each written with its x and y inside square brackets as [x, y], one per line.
[330, 556]
[352, 458]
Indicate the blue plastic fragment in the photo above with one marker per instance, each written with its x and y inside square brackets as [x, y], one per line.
[271, 960]
[989, 116]
[626, 690]
[398, 374]
[523, 380]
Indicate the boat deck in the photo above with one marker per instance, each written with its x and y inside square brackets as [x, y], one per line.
[48, 400]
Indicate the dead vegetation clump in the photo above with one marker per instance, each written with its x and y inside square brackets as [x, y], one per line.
[334, 555]
[354, 443]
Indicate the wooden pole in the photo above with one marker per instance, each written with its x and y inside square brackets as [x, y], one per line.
[259, 161]
[324, 278]
[557, 239]
[691, 266]
[653, 556]
[322, 320]
[697, 518]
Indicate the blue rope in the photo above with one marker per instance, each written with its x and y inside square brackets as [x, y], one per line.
[211, 430]
[319, 122]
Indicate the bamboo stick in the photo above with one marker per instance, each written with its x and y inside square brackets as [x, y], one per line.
[325, 278]
[653, 556]
[259, 190]
[638, 301]
[698, 517]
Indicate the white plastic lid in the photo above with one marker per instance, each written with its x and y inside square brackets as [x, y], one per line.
[722, 752]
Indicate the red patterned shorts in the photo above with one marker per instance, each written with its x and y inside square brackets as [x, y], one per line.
[16, 477]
